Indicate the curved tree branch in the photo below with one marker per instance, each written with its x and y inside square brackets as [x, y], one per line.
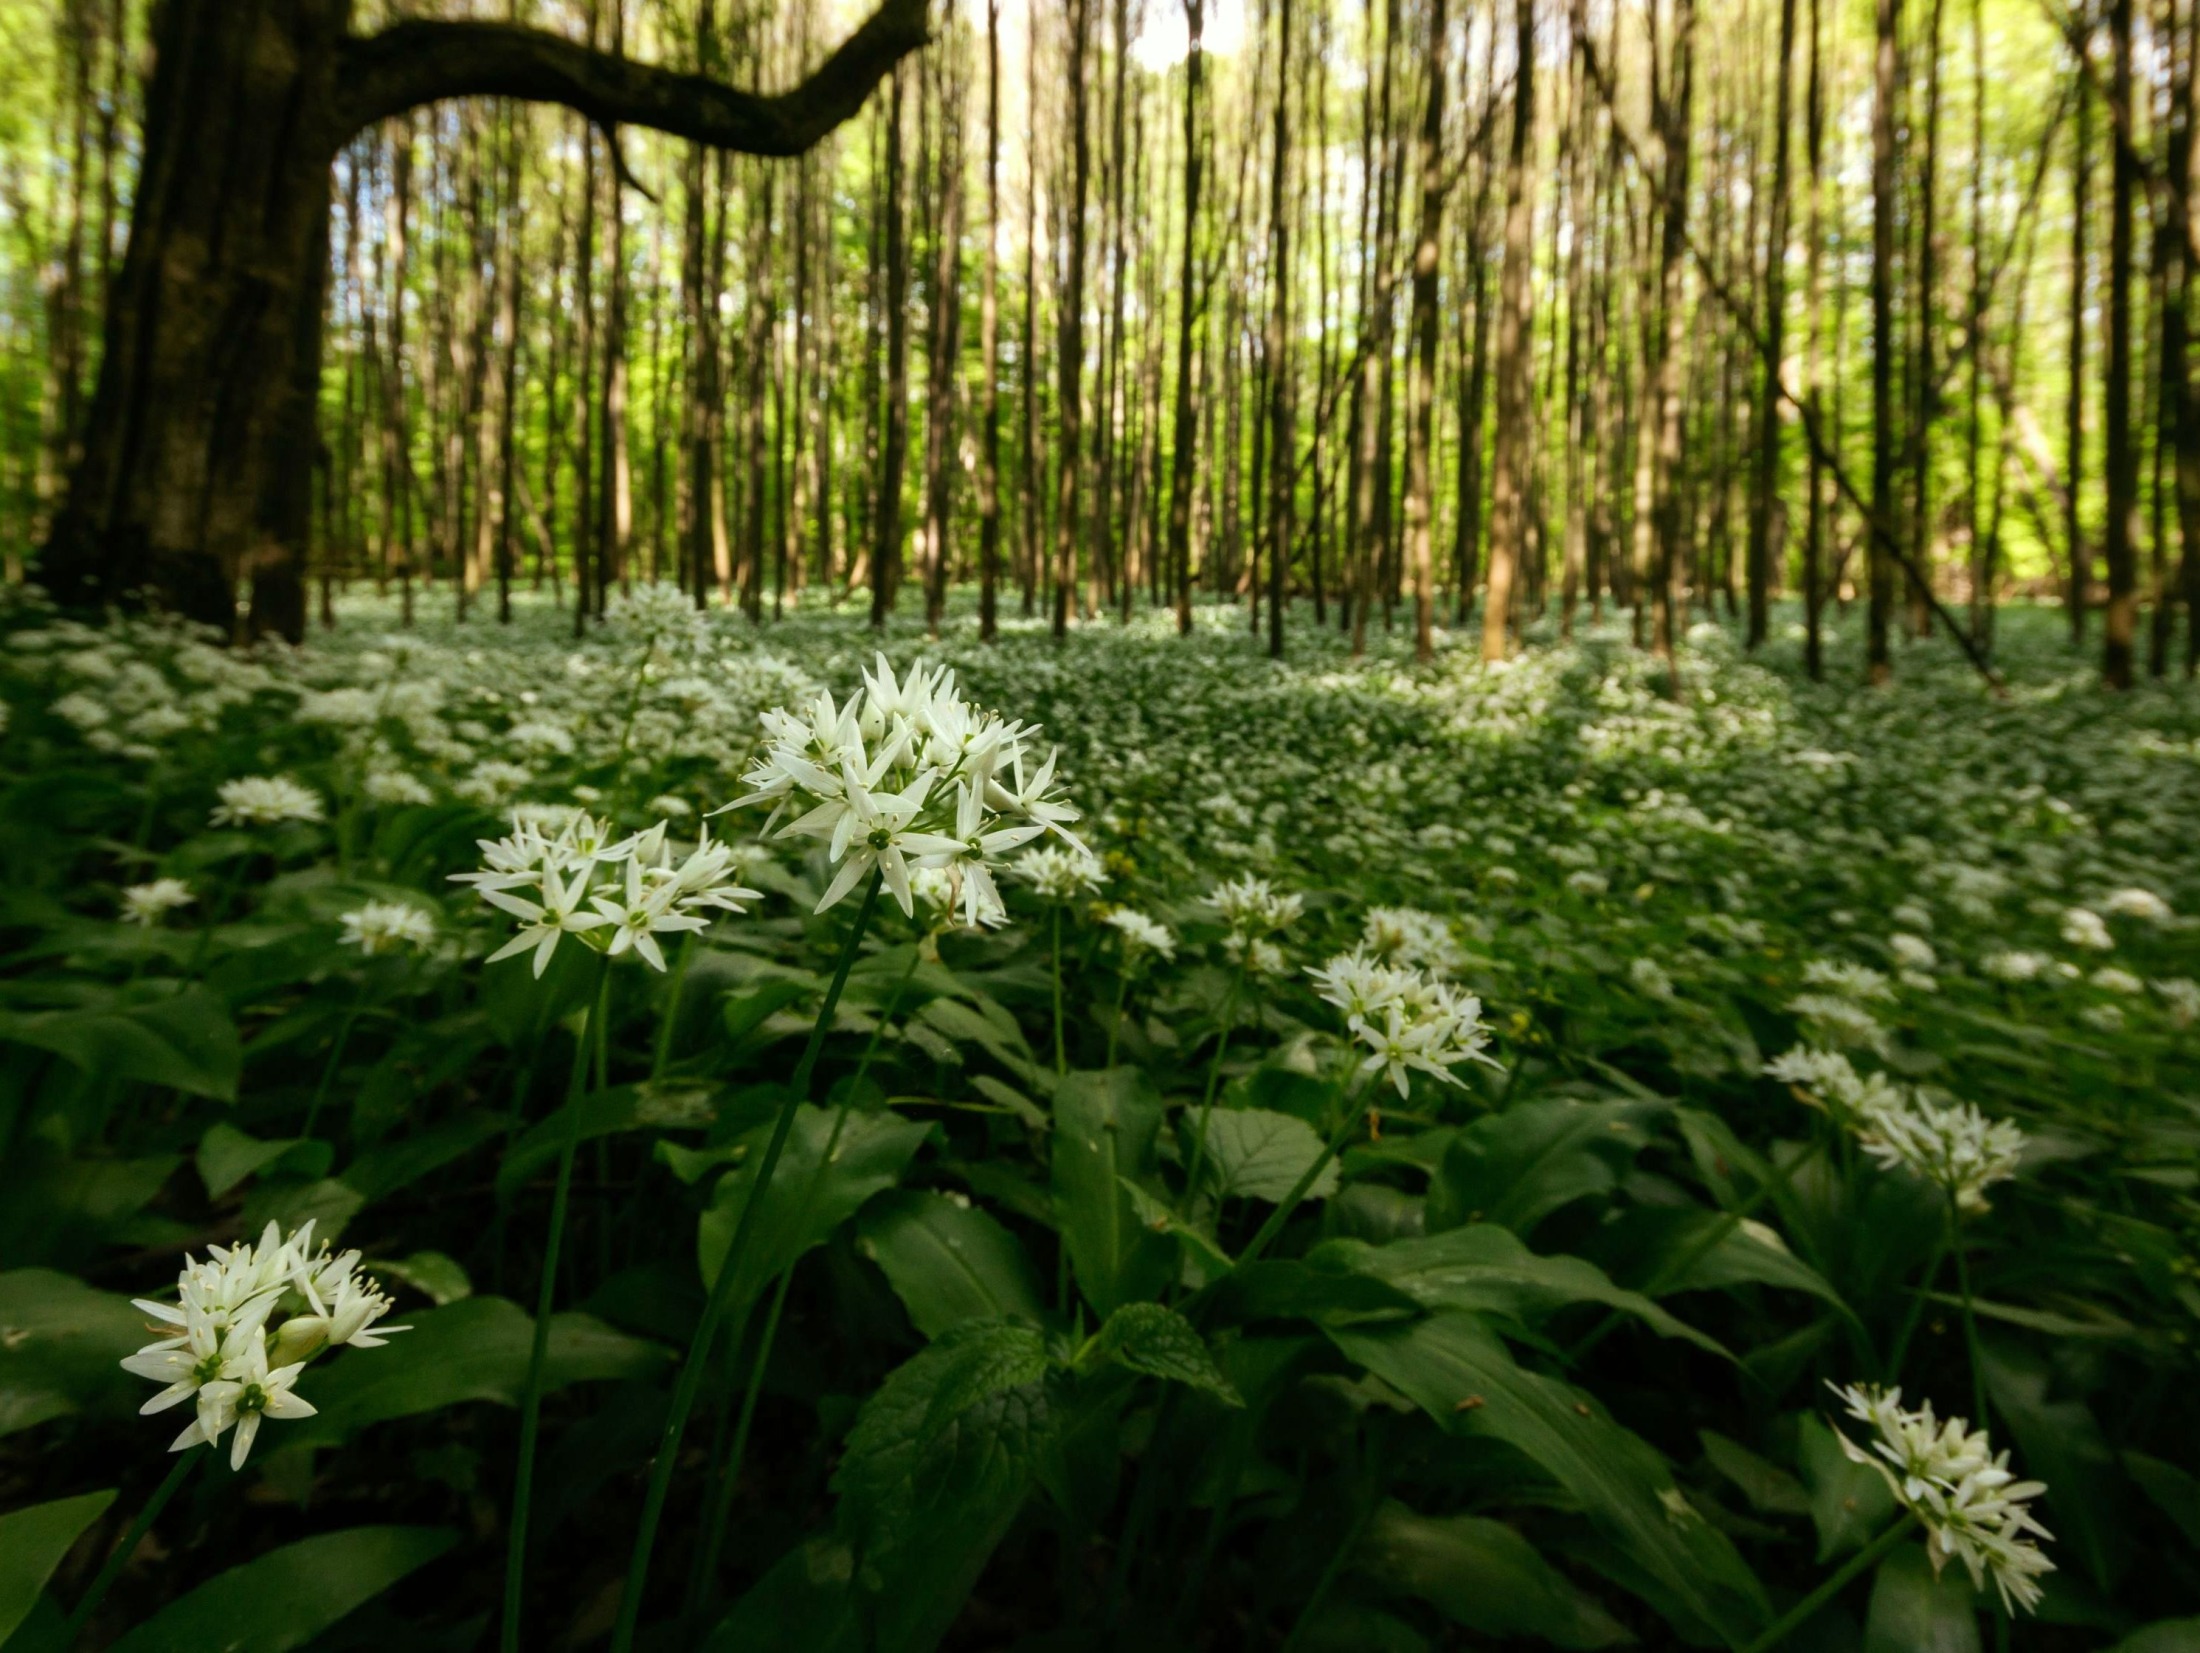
[409, 64]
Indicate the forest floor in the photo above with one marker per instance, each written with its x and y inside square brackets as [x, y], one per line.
[1940, 895]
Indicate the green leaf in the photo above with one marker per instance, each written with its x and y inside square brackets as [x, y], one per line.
[1684, 1250]
[746, 1013]
[2169, 1636]
[2175, 1492]
[475, 1350]
[435, 1276]
[1517, 1167]
[1452, 1366]
[1104, 1128]
[1158, 1341]
[287, 1597]
[1850, 1503]
[227, 1156]
[1481, 1574]
[2088, 1500]
[802, 1605]
[389, 1166]
[184, 1040]
[1914, 1612]
[32, 1543]
[60, 1347]
[947, 1260]
[1766, 1485]
[606, 1113]
[1486, 1268]
[1258, 1155]
[940, 1460]
[834, 1161]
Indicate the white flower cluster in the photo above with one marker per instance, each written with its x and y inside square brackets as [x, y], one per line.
[1255, 911]
[1141, 935]
[581, 881]
[265, 800]
[1408, 1019]
[219, 1351]
[2083, 927]
[1059, 873]
[909, 774]
[2140, 904]
[1407, 935]
[148, 904]
[1955, 1147]
[387, 927]
[1961, 1490]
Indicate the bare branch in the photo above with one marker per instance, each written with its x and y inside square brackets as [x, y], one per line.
[412, 63]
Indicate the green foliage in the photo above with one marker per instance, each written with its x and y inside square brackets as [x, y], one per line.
[287, 1597]
[32, 1544]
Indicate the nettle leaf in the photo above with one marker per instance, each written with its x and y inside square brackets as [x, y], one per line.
[287, 1597]
[1146, 1337]
[1915, 1611]
[1481, 1574]
[947, 1260]
[1517, 1167]
[60, 1344]
[32, 1544]
[1486, 1268]
[834, 1161]
[1455, 1368]
[1850, 1503]
[1105, 1123]
[473, 1350]
[182, 1039]
[939, 1462]
[1258, 1155]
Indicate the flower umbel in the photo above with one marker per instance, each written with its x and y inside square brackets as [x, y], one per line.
[1407, 1019]
[265, 800]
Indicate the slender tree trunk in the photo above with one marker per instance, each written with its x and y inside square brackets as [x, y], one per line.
[989, 343]
[1281, 442]
[1421, 383]
[1069, 416]
[1768, 401]
[2121, 452]
[894, 449]
[2077, 594]
[1515, 335]
[1887, 66]
[1184, 441]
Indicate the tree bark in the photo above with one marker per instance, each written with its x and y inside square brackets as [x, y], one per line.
[1515, 318]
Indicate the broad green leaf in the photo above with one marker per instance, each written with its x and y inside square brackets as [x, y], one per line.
[60, 1347]
[475, 1350]
[32, 1543]
[834, 1161]
[1850, 1503]
[745, 1014]
[1452, 1366]
[1104, 1128]
[1914, 1612]
[227, 1156]
[1517, 1167]
[61, 1210]
[1765, 1484]
[2169, 1636]
[435, 1276]
[947, 1260]
[287, 1597]
[2087, 1504]
[183, 1039]
[1258, 1155]
[1481, 1574]
[805, 1604]
[1486, 1268]
[996, 1035]
[1158, 1341]
[402, 1161]
[1666, 1251]
[2175, 1492]
[642, 1107]
[940, 1460]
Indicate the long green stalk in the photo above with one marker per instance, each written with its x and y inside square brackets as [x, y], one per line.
[1807, 1609]
[1970, 1315]
[119, 1556]
[538, 1353]
[1214, 1077]
[721, 1295]
[1061, 1050]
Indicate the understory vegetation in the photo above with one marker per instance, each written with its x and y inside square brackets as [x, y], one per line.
[1351, 1154]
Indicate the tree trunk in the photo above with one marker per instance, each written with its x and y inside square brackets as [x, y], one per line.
[1069, 416]
[1184, 441]
[1515, 319]
[989, 344]
[2121, 452]
[1421, 330]
[1888, 46]
[1768, 401]
[894, 447]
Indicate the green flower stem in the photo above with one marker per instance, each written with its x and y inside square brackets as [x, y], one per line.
[1115, 1026]
[1061, 1057]
[223, 897]
[729, 1474]
[1214, 1078]
[336, 1054]
[119, 1556]
[1917, 1310]
[1299, 1190]
[1970, 1316]
[698, 1356]
[530, 1415]
[1807, 1609]
[663, 1052]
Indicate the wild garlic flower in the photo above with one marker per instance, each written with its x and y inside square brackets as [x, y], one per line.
[216, 1350]
[2109, 979]
[1258, 956]
[148, 904]
[1141, 935]
[387, 927]
[1058, 873]
[1840, 1019]
[1650, 978]
[395, 788]
[1409, 1020]
[1912, 952]
[265, 800]
[1410, 936]
[2014, 965]
[1851, 981]
[1252, 907]
[1962, 1492]
[2083, 927]
[2141, 904]
[1955, 1147]
[908, 774]
[582, 881]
